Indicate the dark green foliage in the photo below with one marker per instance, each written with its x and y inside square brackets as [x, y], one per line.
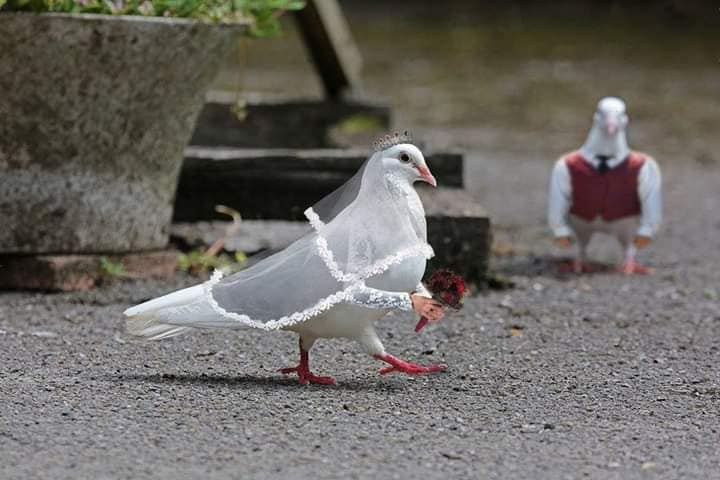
[263, 14]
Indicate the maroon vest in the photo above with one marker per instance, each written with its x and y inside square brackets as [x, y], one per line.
[611, 195]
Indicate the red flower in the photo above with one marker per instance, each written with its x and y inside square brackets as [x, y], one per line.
[447, 288]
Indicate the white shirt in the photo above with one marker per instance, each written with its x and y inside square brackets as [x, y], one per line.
[649, 193]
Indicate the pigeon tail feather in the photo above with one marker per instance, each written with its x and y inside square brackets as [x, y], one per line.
[174, 314]
[174, 299]
[151, 329]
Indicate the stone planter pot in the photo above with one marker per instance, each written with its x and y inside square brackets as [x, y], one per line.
[95, 112]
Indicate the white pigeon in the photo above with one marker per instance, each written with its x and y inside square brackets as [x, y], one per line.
[365, 255]
[604, 187]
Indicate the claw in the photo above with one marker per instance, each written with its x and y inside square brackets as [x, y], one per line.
[414, 369]
[402, 366]
[304, 374]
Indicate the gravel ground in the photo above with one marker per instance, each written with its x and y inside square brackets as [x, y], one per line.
[561, 377]
[597, 376]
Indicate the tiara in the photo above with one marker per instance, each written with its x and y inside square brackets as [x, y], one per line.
[383, 143]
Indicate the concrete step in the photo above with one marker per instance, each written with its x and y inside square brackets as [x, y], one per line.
[82, 271]
[284, 123]
[459, 231]
[253, 236]
[278, 184]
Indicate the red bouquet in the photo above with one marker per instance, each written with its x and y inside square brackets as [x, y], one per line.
[447, 288]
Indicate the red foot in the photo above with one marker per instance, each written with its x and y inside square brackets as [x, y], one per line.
[406, 367]
[631, 267]
[304, 374]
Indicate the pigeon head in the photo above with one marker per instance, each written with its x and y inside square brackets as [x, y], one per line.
[608, 136]
[610, 117]
[408, 162]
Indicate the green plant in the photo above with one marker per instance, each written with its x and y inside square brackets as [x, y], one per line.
[110, 268]
[198, 261]
[263, 14]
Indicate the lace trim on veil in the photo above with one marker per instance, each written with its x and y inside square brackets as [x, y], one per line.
[323, 305]
[377, 268]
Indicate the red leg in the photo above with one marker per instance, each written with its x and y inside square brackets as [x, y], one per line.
[303, 371]
[398, 365]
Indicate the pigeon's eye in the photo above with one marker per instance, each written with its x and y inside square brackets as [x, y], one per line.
[404, 157]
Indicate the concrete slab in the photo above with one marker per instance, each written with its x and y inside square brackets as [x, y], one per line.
[81, 272]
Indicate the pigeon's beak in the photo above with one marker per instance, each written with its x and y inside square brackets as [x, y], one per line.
[426, 176]
[611, 127]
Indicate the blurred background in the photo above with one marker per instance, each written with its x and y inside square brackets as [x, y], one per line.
[516, 83]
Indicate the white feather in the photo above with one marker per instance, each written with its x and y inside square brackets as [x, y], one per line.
[180, 297]
[174, 314]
